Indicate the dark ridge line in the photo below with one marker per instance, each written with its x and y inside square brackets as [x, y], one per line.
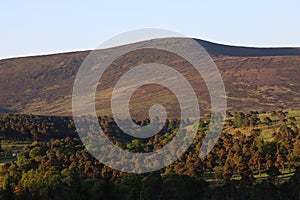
[212, 48]
[239, 51]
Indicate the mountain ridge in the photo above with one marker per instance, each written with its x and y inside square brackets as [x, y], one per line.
[254, 78]
[240, 51]
[215, 49]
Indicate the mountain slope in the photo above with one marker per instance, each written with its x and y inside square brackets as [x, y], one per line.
[225, 50]
[255, 79]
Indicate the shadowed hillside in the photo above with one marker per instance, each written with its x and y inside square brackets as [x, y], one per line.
[225, 50]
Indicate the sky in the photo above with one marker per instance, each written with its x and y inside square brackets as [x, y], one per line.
[39, 27]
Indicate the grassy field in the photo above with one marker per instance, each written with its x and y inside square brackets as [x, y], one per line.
[285, 176]
[10, 149]
[267, 131]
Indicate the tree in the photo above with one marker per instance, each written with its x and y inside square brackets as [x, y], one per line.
[136, 146]
[238, 119]
[151, 187]
[8, 190]
[101, 189]
[268, 121]
[24, 162]
[228, 170]
[296, 150]
[182, 187]
[292, 187]
[130, 186]
[273, 172]
[218, 173]
[36, 154]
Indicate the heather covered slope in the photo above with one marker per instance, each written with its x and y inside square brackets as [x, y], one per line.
[255, 79]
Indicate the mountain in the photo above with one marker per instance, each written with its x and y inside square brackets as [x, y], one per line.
[254, 78]
[226, 50]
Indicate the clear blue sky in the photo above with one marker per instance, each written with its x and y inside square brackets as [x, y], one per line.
[35, 27]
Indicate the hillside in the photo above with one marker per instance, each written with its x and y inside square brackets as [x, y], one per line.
[255, 79]
[226, 50]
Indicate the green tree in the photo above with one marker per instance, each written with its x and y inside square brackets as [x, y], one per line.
[273, 172]
[238, 119]
[151, 187]
[182, 187]
[130, 187]
[36, 154]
